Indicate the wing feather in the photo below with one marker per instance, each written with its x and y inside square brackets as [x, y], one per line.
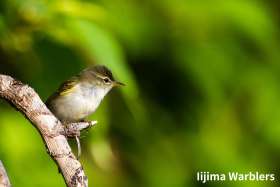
[64, 89]
[67, 86]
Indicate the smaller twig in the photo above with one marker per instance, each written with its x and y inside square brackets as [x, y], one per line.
[4, 179]
[74, 129]
[78, 146]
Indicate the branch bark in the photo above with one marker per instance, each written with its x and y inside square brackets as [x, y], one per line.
[4, 179]
[27, 101]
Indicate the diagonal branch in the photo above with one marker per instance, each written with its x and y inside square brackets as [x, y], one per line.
[27, 101]
[4, 179]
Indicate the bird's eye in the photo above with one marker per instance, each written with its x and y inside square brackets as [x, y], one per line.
[106, 80]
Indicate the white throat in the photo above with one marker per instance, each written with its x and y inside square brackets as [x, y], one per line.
[99, 93]
[94, 94]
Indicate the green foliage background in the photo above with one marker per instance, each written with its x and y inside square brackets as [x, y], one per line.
[202, 88]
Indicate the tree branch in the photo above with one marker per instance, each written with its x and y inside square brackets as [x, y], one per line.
[27, 101]
[74, 129]
[4, 179]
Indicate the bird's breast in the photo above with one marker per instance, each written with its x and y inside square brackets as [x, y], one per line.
[79, 104]
[87, 100]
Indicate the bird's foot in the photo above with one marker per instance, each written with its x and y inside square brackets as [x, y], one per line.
[73, 129]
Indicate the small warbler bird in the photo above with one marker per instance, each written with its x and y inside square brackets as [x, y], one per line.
[80, 96]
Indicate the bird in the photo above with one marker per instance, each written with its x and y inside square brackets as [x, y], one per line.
[80, 96]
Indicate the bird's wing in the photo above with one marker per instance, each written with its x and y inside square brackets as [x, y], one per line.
[65, 88]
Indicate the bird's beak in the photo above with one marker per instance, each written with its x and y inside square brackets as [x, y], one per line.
[117, 83]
